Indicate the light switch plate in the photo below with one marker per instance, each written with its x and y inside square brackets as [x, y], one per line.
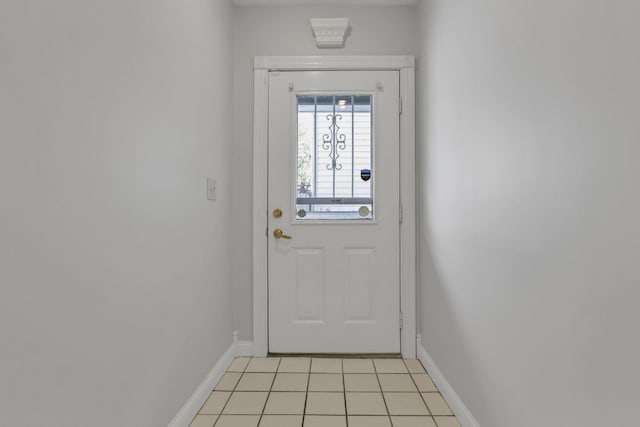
[211, 189]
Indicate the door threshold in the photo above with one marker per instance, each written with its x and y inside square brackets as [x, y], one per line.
[340, 355]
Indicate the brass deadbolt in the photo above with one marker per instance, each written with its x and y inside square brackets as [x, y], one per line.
[277, 213]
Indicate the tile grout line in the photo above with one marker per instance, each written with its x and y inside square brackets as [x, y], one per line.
[420, 392]
[450, 416]
[453, 415]
[269, 391]
[232, 391]
[433, 392]
[344, 393]
[306, 395]
[375, 369]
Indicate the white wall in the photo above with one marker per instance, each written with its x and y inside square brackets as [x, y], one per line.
[530, 204]
[115, 284]
[267, 31]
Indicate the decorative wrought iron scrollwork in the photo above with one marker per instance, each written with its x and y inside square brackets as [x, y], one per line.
[334, 141]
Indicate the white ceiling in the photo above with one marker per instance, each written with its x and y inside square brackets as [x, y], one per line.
[324, 2]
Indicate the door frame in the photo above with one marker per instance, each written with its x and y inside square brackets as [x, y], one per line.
[405, 65]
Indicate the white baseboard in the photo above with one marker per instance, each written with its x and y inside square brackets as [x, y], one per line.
[464, 416]
[197, 399]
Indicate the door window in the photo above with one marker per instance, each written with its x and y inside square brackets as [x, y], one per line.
[334, 157]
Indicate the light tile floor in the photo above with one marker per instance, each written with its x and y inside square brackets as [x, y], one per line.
[325, 392]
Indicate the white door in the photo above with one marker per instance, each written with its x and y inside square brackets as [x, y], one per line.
[333, 197]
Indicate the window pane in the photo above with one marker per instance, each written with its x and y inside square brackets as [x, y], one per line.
[334, 179]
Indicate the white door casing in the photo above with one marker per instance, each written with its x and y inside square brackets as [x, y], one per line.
[405, 66]
[334, 284]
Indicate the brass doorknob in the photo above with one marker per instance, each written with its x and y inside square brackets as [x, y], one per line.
[279, 234]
